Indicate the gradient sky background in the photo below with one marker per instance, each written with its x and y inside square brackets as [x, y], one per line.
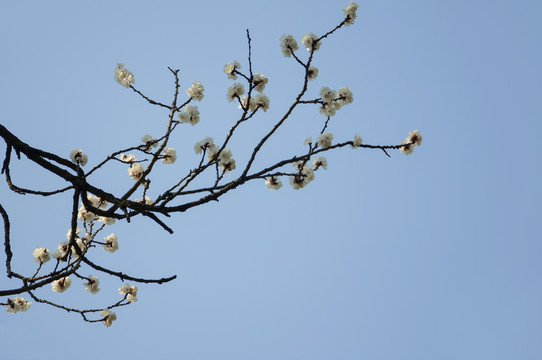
[436, 255]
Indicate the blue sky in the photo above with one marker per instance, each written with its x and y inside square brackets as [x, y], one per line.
[436, 255]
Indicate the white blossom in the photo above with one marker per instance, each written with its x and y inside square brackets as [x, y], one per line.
[135, 171]
[63, 246]
[309, 41]
[356, 142]
[243, 102]
[312, 72]
[111, 243]
[329, 109]
[149, 142]
[169, 156]
[62, 251]
[327, 94]
[195, 91]
[205, 144]
[85, 215]
[123, 76]
[259, 101]
[96, 201]
[226, 161]
[92, 284]
[288, 45]
[127, 158]
[69, 233]
[305, 176]
[273, 183]
[107, 220]
[147, 201]
[345, 95]
[324, 140]
[308, 140]
[17, 304]
[109, 317]
[41, 255]
[318, 162]
[234, 91]
[230, 68]
[259, 81]
[130, 291]
[407, 148]
[77, 157]
[61, 285]
[190, 115]
[415, 137]
[350, 13]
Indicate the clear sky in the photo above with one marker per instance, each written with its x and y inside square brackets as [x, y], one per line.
[436, 255]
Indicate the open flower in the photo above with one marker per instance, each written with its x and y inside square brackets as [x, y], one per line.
[288, 45]
[206, 144]
[92, 284]
[320, 161]
[123, 76]
[17, 304]
[406, 147]
[77, 157]
[149, 142]
[230, 68]
[195, 91]
[235, 91]
[345, 96]
[305, 176]
[259, 101]
[135, 171]
[324, 140]
[61, 285]
[310, 41]
[356, 142]
[226, 161]
[41, 255]
[273, 183]
[414, 137]
[109, 317]
[169, 156]
[350, 13]
[312, 72]
[190, 115]
[111, 243]
[259, 81]
[130, 291]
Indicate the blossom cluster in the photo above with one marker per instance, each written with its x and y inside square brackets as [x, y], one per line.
[92, 284]
[148, 143]
[350, 13]
[195, 91]
[77, 157]
[169, 155]
[129, 291]
[123, 76]
[237, 90]
[230, 69]
[304, 176]
[88, 216]
[17, 304]
[414, 138]
[333, 100]
[324, 140]
[206, 145]
[311, 42]
[108, 317]
[190, 115]
[61, 284]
